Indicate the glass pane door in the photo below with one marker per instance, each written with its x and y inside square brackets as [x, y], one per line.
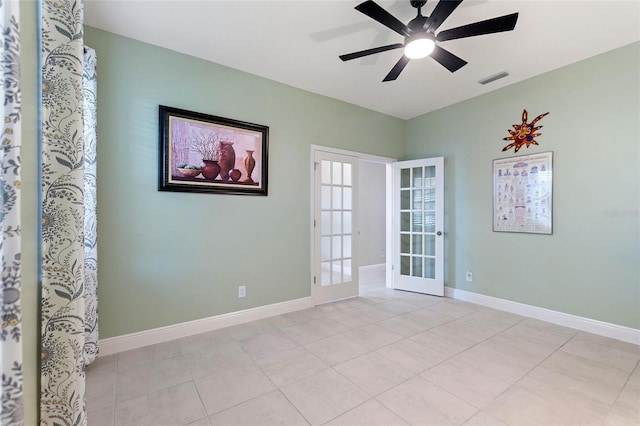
[335, 184]
[418, 224]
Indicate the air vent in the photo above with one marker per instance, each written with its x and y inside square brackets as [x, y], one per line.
[494, 77]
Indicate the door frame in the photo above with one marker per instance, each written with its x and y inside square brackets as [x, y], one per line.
[360, 156]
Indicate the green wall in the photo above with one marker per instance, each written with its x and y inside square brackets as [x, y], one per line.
[590, 266]
[168, 257]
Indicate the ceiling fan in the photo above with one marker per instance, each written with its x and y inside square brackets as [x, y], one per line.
[420, 36]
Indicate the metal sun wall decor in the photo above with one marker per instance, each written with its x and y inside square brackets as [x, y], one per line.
[523, 134]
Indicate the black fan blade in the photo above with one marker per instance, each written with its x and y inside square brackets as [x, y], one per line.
[397, 69]
[355, 55]
[373, 11]
[495, 25]
[442, 11]
[447, 59]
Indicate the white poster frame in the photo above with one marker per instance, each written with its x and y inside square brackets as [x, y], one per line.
[523, 194]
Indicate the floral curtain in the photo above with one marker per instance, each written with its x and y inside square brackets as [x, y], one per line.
[11, 335]
[69, 263]
[89, 79]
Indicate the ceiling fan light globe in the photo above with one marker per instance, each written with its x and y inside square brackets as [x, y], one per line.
[419, 48]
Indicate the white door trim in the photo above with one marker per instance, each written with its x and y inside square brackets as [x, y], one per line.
[361, 157]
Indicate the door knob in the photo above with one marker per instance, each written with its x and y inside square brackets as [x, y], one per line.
[439, 233]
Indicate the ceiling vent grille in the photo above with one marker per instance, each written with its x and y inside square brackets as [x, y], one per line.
[494, 77]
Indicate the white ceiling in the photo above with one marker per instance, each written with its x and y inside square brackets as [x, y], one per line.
[298, 43]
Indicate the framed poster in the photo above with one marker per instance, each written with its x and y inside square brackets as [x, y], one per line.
[205, 153]
[523, 194]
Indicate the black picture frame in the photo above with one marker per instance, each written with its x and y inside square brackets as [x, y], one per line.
[193, 145]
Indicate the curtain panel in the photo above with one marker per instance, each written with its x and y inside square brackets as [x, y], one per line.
[69, 262]
[11, 335]
[89, 79]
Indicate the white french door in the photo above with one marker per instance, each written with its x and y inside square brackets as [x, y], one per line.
[334, 186]
[418, 232]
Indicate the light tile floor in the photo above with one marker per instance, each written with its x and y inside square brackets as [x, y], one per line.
[384, 358]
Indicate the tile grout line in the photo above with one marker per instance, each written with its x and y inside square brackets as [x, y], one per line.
[623, 387]
[115, 388]
[193, 383]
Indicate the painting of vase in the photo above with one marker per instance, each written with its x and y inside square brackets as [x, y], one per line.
[226, 159]
[211, 145]
[249, 165]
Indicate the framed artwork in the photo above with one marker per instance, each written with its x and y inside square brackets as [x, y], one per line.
[523, 194]
[205, 153]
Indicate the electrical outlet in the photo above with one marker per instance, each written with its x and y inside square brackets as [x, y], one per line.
[383, 253]
[242, 291]
[469, 276]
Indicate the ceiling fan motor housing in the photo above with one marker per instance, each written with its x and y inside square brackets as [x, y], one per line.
[416, 25]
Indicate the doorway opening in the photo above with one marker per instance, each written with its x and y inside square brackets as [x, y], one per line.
[350, 209]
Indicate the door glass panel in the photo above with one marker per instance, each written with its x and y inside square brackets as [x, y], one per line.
[325, 195]
[347, 174]
[325, 222]
[430, 194]
[337, 173]
[325, 275]
[417, 177]
[429, 267]
[430, 245]
[336, 223]
[430, 222]
[405, 221]
[325, 248]
[405, 247]
[346, 264]
[405, 265]
[336, 248]
[416, 266]
[417, 244]
[430, 199]
[405, 178]
[347, 199]
[346, 246]
[346, 223]
[326, 171]
[417, 199]
[336, 272]
[405, 199]
[417, 221]
[430, 172]
[337, 197]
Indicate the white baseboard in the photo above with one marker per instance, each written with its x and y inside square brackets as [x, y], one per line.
[601, 328]
[163, 334]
